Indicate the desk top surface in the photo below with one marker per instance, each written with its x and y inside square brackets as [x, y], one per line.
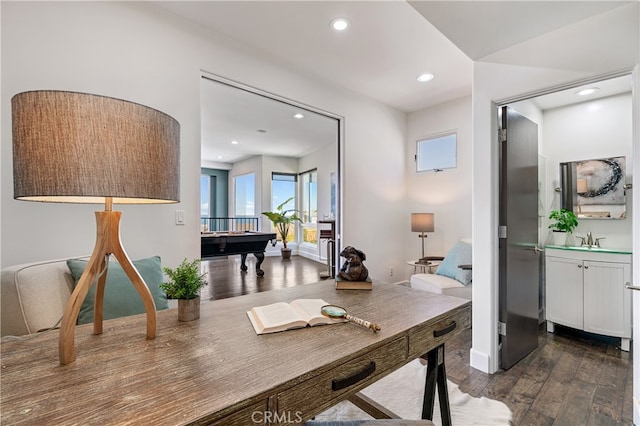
[193, 370]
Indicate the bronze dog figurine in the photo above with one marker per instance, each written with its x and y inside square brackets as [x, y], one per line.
[353, 269]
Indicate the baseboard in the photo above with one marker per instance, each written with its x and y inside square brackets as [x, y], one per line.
[480, 361]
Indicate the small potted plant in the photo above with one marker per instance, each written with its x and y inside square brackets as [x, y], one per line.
[282, 220]
[184, 284]
[565, 223]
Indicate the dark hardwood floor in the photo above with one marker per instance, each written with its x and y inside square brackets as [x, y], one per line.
[571, 379]
[226, 280]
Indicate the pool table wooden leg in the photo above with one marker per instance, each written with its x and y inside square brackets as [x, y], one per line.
[260, 259]
[243, 265]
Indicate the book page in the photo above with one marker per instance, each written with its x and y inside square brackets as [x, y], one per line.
[309, 310]
[277, 317]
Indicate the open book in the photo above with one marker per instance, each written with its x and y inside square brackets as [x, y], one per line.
[285, 316]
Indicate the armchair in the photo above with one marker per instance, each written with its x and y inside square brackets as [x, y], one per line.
[453, 276]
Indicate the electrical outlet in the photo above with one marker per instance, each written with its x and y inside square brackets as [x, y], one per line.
[390, 271]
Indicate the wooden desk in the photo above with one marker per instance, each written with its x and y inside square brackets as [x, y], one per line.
[216, 369]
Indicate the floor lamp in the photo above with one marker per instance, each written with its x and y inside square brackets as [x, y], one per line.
[73, 147]
[422, 222]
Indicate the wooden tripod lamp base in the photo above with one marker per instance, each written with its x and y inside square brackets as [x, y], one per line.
[107, 242]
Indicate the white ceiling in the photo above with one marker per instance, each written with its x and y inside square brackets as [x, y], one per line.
[387, 46]
[391, 42]
[259, 125]
[481, 28]
[605, 88]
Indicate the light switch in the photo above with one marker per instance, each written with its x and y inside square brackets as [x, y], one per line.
[179, 217]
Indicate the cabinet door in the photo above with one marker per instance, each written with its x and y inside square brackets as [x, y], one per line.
[607, 304]
[564, 292]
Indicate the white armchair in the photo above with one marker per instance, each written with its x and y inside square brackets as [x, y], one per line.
[453, 276]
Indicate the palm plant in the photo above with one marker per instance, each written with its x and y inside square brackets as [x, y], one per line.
[283, 219]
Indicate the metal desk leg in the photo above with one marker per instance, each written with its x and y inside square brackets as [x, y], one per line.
[436, 377]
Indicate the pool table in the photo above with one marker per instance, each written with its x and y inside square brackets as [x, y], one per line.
[214, 244]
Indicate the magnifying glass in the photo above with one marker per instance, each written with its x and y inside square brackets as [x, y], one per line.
[338, 312]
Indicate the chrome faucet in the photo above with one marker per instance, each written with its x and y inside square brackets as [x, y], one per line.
[589, 241]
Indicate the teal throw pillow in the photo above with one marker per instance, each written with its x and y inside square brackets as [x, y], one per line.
[121, 298]
[460, 254]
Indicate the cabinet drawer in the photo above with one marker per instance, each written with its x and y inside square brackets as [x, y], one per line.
[428, 336]
[325, 390]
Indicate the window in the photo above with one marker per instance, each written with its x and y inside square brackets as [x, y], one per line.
[436, 153]
[205, 196]
[245, 195]
[309, 206]
[283, 187]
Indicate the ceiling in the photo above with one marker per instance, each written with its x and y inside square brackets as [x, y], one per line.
[604, 88]
[259, 126]
[389, 43]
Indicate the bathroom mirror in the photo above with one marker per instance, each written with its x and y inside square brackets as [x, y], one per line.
[594, 189]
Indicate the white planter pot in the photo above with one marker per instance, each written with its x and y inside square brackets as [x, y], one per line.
[559, 238]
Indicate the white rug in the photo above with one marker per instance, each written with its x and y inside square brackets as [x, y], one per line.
[402, 392]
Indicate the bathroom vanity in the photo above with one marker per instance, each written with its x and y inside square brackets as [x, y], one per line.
[585, 290]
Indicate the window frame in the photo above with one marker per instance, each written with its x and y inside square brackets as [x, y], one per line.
[439, 146]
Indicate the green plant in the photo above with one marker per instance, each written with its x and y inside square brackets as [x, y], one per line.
[185, 281]
[565, 220]
[282, 220]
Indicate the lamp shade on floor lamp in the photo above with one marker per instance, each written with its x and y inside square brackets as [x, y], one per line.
[71, 147]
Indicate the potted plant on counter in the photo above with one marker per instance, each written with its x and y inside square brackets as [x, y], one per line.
[282, 220]
[184, 284]
[565, 223]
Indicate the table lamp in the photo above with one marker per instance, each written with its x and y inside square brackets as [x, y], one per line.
[73, 147]
[422, 222]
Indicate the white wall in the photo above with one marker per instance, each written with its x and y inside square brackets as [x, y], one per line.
[244, 167]
[594, 129]
[447, 194]
[138, 52]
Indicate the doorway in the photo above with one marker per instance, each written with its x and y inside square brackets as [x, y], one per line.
[247, 130]
[577, 127]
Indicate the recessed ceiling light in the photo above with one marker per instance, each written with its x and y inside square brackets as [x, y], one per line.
[588, 91]
[340, 24]
[234, 142]
[298, 115]
[425, 77]
[219, 157]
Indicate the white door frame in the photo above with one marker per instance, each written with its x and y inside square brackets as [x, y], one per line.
[635, 195]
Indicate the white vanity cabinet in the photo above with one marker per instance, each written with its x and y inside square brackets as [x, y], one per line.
[585, 290]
